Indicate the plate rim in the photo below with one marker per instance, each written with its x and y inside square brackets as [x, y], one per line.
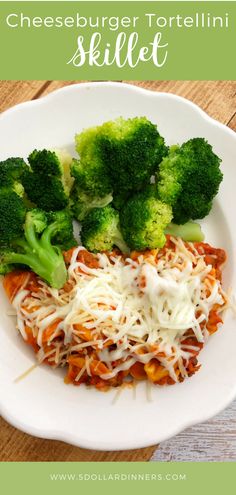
[132, 87]
[65, 436]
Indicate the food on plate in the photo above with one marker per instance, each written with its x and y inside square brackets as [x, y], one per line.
[47, 182]
[90, 169]
[126, 165]
[82, 203]
[120, 145]
[11, 171]
[190, 231]
[12, 215]
[124, 317]
[100, 231]
[126, 143]
[31, 236]
[143, 220]
[139, 298]
[12, 200]
[34, 247]
[115, 159]
[188, 179]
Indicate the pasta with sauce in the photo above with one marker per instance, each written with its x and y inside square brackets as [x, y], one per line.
[118, 318]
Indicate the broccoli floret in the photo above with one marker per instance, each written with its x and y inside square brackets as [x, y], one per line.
[81, 203]
[90, 171]
[144, 219]
[66, 159]
[12, 215]
[120, 156]
[190, 231]
[132, 149]
[46, 180]
[12, 199]
[119, 200]
[100, 230]
[188, 179]
[11, 171]
[64, 238]
[35, 250]
[4, 266]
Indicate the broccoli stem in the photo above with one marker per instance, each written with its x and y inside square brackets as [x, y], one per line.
[51, 258]
[23, 244]
[97, 203]
[47, 235]
[40, 255]
[53, 268]
[189, 232]
[120, 243]
[31, 236]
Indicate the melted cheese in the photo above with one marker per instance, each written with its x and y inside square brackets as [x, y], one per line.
[136, 304]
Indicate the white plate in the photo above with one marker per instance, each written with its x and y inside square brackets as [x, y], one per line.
[42, 404]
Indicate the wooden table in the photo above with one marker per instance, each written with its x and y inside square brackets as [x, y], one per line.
[214, 440]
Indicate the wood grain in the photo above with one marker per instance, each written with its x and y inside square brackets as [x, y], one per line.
[14, 92]
[213, 441]
[217, 98]
[18, 446]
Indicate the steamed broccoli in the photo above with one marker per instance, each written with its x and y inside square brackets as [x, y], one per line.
[82, 203]
[190, 231]
[90, 171]
[100, 230]
[11, 171]
[34, 249]
[12, 215]
[47, 181]
[144, 219]
[120, 156]
[64, 237]
[119, 200]
[92, 186]
[12, 199]
[189, 178]
[132, 150]
[66, 159]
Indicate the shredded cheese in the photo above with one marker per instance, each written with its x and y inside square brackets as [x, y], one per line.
[136, 305]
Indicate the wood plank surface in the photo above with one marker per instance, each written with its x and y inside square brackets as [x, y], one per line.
[18, 446]
[213, 441]
[201, 442]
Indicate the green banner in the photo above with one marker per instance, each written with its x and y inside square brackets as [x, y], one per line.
[101, 40]
[116, 477]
